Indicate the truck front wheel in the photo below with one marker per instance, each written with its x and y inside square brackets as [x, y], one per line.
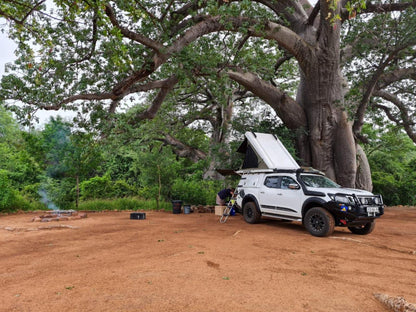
[319, 222]
[250, 213]
[363, 229]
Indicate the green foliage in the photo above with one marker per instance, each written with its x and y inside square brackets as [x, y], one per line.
[8, 195]
[119, 204]
[10, 198]
[158, 169]
[195, 192]
[56, 143]
[392, 156]
[149, 192]
[57, 193]
[69, 156]
[17, 167]
[22, 167]
[104, 187]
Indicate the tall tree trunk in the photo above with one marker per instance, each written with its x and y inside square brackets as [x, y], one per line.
[331, 142]
[77, 187]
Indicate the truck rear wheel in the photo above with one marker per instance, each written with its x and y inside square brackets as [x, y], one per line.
[251, 213]
[319, 222]
[363, 229]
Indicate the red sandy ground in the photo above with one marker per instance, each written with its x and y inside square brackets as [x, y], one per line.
[171, 262]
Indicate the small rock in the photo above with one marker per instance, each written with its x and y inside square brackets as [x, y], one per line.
[396, 304]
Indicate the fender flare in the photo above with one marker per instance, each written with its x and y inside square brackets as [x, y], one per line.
[247, 198]
[313, 202]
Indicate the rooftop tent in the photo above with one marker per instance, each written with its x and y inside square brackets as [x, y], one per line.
[265, 151]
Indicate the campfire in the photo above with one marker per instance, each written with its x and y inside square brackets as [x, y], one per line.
[60, 215]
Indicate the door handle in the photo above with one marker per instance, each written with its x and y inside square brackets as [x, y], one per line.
[261, 192]
[279, 194]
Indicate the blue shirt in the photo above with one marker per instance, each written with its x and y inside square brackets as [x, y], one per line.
[223, 194]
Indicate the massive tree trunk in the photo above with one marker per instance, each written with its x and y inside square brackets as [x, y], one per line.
[331, 145]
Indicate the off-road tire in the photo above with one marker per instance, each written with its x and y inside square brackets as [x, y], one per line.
[319, 222]
[251, 213]
[363, 229]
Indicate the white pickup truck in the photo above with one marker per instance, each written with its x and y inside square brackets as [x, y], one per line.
[273, 185]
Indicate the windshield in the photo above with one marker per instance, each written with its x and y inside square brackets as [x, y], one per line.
[314, 180]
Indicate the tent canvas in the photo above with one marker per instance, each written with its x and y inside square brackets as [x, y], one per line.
[265, 151]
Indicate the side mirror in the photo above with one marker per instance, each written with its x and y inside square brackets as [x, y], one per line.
[294, 186]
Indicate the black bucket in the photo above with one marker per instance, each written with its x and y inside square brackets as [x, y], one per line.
[176, 206]
[137, 216]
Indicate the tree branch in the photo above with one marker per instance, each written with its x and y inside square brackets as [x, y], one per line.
[183, 150]
[405, 120]
[166, 87]
[369, 89]
[24, 18]
[387, 7]
[286, 108]
[156, 46]
[397, 75]
[285, 37]
[291, 11]
[379, 8]
[93, 39]
[314, 14]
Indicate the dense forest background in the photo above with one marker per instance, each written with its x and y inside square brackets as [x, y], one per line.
[63, 166]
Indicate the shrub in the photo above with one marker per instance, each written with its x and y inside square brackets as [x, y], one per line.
[11, 199]
[122, 189]
[149, 192]
[97, 187]
[103, 188]
[386, 185]
[31, 191]
[130, 203]
[195, 192]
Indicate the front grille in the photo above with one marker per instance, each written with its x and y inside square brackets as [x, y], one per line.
[370, 200]
[366, 200]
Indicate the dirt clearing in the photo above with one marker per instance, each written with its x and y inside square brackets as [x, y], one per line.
[177, 262]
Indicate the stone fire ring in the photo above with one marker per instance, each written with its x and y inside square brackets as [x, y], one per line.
[60, 215]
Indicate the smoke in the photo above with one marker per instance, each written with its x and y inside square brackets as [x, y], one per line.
[46, 201]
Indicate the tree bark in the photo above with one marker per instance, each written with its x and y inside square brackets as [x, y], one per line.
[220, 127]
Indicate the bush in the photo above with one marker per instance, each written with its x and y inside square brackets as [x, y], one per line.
[10, 198]
[104, 188]
[31, 192]
[149, 192]
[97, 187]
[386, 185]
[195, 192]
[58, 194]
[120, 204]
[7, 193]
[122, 189]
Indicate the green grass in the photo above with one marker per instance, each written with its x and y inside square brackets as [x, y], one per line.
[119, 204]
